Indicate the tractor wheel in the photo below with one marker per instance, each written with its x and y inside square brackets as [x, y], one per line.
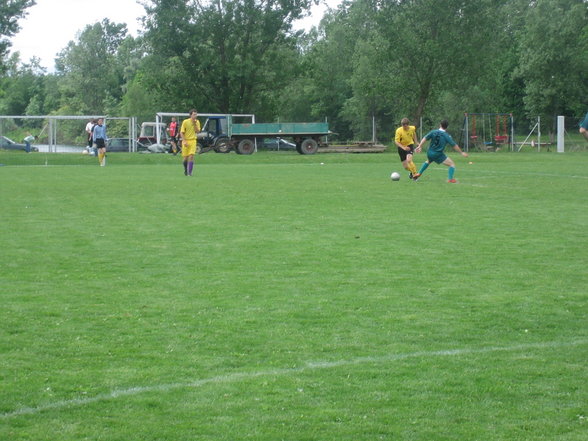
[308, 147]
[245, 147]
[222, 146]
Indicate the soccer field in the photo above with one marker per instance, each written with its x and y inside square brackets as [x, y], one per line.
[285, 297]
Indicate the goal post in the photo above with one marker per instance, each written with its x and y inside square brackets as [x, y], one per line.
[561, 130]
[65, 133]
[488, 131]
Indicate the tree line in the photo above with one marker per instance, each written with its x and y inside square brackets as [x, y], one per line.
[381, 59]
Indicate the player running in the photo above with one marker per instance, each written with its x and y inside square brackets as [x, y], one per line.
[405, 139]
[439, 139]
[584, 127]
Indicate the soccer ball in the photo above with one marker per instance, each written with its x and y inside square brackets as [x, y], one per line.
[395, 176]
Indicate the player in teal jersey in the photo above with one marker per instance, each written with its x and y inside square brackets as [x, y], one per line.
[439, 139]
[584, 127]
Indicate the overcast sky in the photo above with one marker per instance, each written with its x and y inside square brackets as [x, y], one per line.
[51, 24]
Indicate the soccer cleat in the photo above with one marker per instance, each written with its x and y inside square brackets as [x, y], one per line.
[416, 176]
[410, 175]
[452, 181]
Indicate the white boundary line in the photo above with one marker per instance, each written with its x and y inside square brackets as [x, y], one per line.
[238, 376]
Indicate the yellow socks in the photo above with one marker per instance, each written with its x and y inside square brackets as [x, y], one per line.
[412, 168]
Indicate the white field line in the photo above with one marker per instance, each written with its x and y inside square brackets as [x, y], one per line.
[239, 376]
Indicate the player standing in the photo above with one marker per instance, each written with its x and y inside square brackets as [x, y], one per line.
[172, 130]
[439, 139]
[89, 127]
[405, 139]
[188, 132]
[99, 137]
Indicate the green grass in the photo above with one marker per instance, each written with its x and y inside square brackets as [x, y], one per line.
[271, 298]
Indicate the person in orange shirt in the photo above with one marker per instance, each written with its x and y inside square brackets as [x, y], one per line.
[172, 131]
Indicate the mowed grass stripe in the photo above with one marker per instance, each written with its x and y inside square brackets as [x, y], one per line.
[130, 278]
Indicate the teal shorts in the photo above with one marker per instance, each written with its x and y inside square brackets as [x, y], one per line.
[584, 124]
[437, 157]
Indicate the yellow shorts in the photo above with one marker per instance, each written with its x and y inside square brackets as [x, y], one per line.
[189, 147]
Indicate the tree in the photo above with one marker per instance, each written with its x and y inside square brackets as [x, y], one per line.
[369, 80]
[138, 100]
[554, 57]
[410, 57]
[90, 69]
[167, 36]
[437, 46]
[226, 56]
[327, 68]
[10, 12]
[24, 86]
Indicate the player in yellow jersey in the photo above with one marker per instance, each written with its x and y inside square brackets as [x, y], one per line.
[188, 132]
[406, 140]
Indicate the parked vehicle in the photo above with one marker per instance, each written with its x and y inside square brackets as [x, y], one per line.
[276, 144]
[220, 134]
[149, 135]
[123, 145]
[8, 144]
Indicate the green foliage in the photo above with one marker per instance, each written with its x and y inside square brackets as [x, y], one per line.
[10, 12]
[327, 68]
[137, 100]
[228, 56]
[92, 76]
[367, 59]
[23, 88]
[553, 59]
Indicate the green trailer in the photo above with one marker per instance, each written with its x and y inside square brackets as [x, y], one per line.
[221, 134]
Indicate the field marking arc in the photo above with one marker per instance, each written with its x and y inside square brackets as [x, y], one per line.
[236, 376]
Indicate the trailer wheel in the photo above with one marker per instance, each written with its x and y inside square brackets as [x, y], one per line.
[222, 146]
[245, 147]
[308, 147]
